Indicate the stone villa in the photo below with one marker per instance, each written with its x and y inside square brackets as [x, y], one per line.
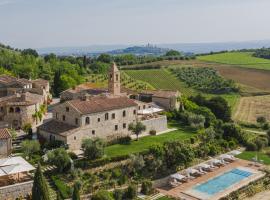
[20, 99]
[100, 113]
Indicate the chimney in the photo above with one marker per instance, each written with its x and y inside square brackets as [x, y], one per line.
[86, 97]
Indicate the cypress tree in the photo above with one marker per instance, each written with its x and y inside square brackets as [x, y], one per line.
[76, 192]
[56, 83]
[40, 189]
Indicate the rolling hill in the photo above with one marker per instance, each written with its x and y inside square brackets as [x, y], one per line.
[241, 59]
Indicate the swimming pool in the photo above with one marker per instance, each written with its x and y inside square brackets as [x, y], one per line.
[222, 182]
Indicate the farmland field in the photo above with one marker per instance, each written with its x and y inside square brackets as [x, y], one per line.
[241, 59]
[160, 79]
[249, 108]
[163, 79]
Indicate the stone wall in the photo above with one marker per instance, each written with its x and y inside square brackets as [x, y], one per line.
[16, 190]
[99, 127]
[5, 147]
[158, 124]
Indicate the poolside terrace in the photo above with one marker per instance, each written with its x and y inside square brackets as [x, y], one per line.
[185, 191]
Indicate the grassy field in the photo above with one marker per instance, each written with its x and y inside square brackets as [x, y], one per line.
[242, 59]
[248, 155]
[249, 108]
[145, 142]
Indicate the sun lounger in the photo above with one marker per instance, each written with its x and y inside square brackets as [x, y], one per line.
[202, 171]
[228, 158]
[174, 183]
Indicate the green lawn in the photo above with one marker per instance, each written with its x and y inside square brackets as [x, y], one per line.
[242, 59]
[160, 79]
[145, 142]
[248, 155]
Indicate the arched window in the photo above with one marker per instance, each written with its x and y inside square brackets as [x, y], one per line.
[106, 116]
[11, 110]
[116, 77]
[124, 113]
[17, 110]
[87, 120]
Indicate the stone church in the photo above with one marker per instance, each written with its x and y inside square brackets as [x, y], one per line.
[101, 113]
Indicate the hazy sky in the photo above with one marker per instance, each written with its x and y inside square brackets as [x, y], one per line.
[49, 23]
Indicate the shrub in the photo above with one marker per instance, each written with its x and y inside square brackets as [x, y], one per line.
[131, 192]
[30, 147]
[118, 194]
[93, 148]
[53, 144]
[72, 155]
[122, 180]
[102, 195]
[62, 187]
[265, 126]
[153, 132]
[121, 140]
[251, 146]
[147, 187]
[261, 120]
[125, 140]
[60, 158]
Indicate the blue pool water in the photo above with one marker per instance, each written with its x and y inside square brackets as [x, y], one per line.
[222, 182]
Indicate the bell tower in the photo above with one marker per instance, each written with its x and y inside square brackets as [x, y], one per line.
[114, 80]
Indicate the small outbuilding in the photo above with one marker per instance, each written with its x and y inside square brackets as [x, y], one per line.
[5, 143]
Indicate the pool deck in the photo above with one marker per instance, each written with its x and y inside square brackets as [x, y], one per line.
[185, 191]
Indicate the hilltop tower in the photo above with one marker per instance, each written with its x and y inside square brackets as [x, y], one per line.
[114, 80]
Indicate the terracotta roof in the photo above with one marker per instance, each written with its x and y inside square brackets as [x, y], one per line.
[40, 81]
[7, 79]
[23, 81]
[85, 87]
[59, 128]
[21, 99]
[4, 133]
[160, 93]
[100, 104]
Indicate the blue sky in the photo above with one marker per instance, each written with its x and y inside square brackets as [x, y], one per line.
[50, 23]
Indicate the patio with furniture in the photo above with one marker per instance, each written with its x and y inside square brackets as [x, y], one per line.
[15, 179]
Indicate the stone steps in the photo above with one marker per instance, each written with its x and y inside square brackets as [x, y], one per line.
[152, 197]
[52, 189]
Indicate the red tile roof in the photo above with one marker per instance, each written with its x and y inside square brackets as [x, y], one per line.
[59, 128]
[41, 82]
[101, 104]
[160, 93]
[4, 133]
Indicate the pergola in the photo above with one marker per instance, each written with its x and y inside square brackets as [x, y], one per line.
[13, 166]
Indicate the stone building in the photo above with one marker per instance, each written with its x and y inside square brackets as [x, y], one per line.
[18, 109]
[20, 99]
[5, 143]
[10, 85]
[167, 99]
[106, 115]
